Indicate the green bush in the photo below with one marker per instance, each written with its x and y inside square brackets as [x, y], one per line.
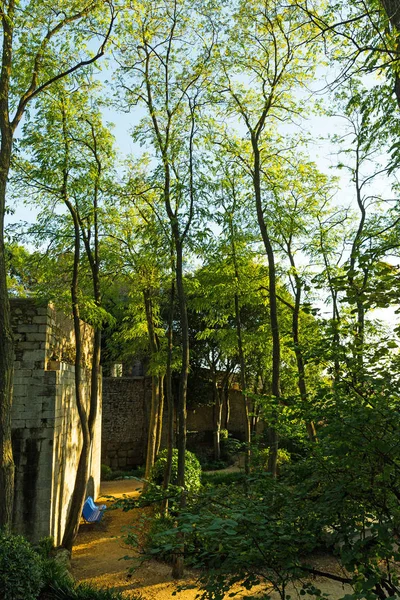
[157, 536]
[21, 575]
[106, 472]
[230, 448]
[192, 470]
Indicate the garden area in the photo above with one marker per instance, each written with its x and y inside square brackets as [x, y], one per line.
[199, 299]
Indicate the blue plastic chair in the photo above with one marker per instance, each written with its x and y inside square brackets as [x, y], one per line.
[91, 512]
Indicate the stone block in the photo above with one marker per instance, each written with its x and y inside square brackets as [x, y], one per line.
[34, 355]
[122, 462]
[22, 372]
[40, 336]
[114, 463]
[40, 319]
[27, 328]
[43, 310]
[20, 388]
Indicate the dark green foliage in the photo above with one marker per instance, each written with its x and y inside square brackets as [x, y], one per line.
[64, 590]
[106, 471]
[234, 478]
[341, 498]
[192, 471]
[20, 569]
[214, 465]
[230, 448]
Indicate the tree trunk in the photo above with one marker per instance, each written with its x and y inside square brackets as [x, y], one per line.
[78, 495]
[170, 398]
[217, 403]
[244, 387]
[177, 570]
[392, 10]
[153, 426]
[227, 404]
[242, 362]
[310, 427]
[273, 439]
[6, 353]
[155, 387]
[160, 414]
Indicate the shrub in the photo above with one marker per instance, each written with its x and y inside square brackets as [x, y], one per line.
[230, 448]
[192, 470]
[106, 472]
[20, 569]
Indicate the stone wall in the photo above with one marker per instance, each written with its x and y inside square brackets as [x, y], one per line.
[126, 403]
[45, 422]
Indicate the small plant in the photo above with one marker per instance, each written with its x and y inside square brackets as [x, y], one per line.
[21, 573]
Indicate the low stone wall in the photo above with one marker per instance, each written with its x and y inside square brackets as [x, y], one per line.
[45, 421]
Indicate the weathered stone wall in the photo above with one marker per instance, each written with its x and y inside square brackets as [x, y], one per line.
[125, 409]
[45, 422]
[126, 402]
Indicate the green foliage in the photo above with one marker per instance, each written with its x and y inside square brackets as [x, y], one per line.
[64, 590]
[213, 479]
[192, 470]
[21, 573]
[106, 472]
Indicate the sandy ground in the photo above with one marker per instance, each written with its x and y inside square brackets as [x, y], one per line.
[99, 549]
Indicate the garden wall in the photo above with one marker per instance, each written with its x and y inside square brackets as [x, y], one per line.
[45, 422]
[126, 404]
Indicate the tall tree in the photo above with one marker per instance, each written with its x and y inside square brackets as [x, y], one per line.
[41, 44]
[267, 46]
[160, 73]
[69, 159]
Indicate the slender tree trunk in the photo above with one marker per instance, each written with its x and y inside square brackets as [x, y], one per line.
[160, 413]
[217, 403]
[392, 10]
[155, 387]
[301, 373]
[78, 495]
[177, 571]
[6, 354]
[243, 384]
[7, 467]
[153, 426]
[170, 398]
[242, 362]
[273, 439]
[227, 404]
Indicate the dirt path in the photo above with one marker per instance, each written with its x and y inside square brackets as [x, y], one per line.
[99, 548]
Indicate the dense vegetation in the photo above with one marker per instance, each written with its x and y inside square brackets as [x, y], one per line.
[221, 251]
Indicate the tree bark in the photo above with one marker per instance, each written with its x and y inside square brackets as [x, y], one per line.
[160, 414]
[6, 337]
[155, 388]
[77, 499]
[273, 439]
[170, 398]
[392, 9]
[217, 403]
